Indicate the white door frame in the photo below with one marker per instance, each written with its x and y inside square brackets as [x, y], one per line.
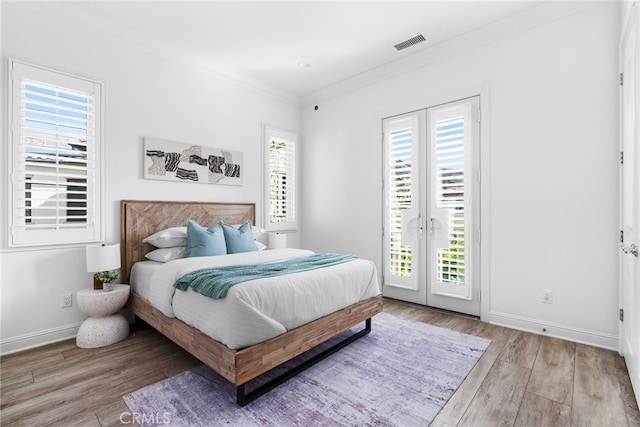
[629, 265]
[485, 163]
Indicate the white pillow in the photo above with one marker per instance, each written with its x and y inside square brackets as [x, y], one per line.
[167, 254]
[261, 236]
[168, 238]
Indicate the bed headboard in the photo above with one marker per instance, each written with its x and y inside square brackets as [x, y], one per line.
[141, 218]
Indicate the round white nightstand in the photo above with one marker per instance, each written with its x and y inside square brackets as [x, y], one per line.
[103, 327]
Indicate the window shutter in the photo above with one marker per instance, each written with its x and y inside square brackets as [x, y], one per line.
[450, 155]
[400, 198]
[55, 149]
[281, 180]
[450, 163]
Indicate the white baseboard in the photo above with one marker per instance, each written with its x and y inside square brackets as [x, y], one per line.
[37, 339]
[583, 336]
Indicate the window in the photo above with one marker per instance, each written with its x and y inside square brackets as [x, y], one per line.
[280, 180]
[54, 160]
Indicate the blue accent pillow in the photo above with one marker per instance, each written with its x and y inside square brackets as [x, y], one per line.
[202, 241]
[239, 239]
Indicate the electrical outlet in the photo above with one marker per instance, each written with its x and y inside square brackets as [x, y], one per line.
[66, 301]
[547, 296]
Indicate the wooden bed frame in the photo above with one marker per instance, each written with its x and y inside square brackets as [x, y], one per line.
[140, 219]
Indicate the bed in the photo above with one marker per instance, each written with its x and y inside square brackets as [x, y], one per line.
[244, 359]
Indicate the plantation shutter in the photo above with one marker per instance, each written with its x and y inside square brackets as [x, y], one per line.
[450, 194]
[281, 180]
[400, 198]
[55, 138]
[450, 163]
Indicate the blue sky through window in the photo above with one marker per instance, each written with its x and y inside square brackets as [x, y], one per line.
[49, 110]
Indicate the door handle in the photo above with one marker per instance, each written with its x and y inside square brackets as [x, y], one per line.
[631, 249]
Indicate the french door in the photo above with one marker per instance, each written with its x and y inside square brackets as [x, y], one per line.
[431, 214]
[404, 251]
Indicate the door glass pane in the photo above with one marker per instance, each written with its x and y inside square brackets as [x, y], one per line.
[450, 196]
[400, 190]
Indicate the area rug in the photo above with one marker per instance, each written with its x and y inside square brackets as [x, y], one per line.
[400, 374]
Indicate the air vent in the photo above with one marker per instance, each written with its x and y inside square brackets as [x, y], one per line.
[410, 42]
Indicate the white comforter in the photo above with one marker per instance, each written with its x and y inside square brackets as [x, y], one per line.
[256, 310]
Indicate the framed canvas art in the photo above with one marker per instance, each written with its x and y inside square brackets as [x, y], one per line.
[178, 161]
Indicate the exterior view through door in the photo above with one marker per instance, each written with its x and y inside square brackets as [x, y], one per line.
[431, 212]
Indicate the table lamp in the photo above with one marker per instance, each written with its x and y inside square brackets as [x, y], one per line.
[103, 260]
[277, 240]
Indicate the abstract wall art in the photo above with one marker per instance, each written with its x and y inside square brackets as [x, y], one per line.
[178, 161]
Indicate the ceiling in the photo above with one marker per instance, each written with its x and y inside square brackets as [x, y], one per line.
[265, 41]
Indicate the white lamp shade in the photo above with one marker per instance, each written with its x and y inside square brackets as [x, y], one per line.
[277, 240]
[103, 257]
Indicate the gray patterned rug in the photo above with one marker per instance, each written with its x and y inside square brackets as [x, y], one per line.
[401, 374]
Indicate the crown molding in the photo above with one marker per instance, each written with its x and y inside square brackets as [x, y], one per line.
[538, 15]
[95, 25]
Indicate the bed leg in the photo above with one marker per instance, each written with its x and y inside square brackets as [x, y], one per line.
[242, 398]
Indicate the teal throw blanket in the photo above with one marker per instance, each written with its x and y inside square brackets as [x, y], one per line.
[214, 282]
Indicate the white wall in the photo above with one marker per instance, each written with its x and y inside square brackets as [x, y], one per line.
[146, 95]
[550, 195]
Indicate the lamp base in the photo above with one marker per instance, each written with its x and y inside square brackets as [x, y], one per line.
[97, 284]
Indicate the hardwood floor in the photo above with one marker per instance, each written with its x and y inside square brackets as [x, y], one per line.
[521, 380]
